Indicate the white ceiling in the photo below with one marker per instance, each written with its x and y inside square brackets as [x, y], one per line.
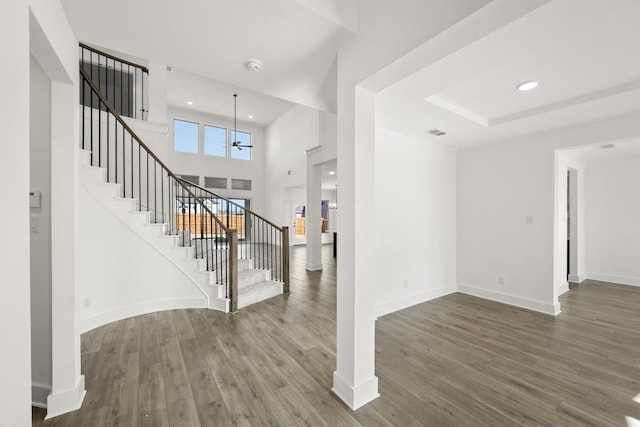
[584, 54]
[612, 150]
[329, 174]
[297, 41]
[216, 98]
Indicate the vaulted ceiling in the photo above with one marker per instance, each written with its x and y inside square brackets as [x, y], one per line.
[296, 40]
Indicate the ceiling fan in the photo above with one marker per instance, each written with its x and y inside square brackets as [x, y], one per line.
[237, 144]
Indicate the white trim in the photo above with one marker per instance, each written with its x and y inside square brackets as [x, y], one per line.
[564, 287]
[39, 394]
[408, 301]
[66, 401]
[539, 306]
[161, 128]
[314, 267]
[355, 396]
[313, 150]
[613, 278]
[138, 309]
[577, 278]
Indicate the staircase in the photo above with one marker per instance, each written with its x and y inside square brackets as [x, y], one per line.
[235, 258]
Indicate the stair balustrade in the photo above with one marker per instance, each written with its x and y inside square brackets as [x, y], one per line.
[258, 238]
[217, 229]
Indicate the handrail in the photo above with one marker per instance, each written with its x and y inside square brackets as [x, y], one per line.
[139, 141]
[262, 241]
[115, 58]
[181, 206]
[171, 189]
[230, 202]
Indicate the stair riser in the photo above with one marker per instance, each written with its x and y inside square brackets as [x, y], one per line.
[254, 285]
[258, 292]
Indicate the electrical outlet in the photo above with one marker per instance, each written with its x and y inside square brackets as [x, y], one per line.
[405, 284]
[86, 302]
[500, 280]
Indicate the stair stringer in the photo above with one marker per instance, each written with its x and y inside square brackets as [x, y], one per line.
[93, 180]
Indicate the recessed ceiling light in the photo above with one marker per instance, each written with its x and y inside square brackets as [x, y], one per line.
[332, 173]
[436, 132]
[527, 86]
[190, 102]
[251, 116]
[607, 146]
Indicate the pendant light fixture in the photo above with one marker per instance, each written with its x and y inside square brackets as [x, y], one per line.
[237, 144]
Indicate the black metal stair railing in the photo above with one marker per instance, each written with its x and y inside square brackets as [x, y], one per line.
[143, 176]
[258, 238]
[121, 82]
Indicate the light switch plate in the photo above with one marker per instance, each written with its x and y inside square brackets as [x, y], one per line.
[34, 199]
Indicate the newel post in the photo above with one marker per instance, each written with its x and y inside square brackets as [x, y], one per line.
[285, 259]
[233, 271]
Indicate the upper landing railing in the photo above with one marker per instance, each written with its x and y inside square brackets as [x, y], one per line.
[122, 83]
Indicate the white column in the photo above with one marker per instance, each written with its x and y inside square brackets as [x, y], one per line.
[67, 383]
[15, 318]
[573, 223]
[354, 380]
[157, 92]
[314, 217]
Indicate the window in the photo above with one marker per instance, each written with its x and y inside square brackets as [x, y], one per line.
[240, 184]
[215, 182]
[185, 136]
[243, 139]
[215, 141]
[194, 179]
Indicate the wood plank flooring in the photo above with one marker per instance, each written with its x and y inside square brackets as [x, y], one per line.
[454, 361]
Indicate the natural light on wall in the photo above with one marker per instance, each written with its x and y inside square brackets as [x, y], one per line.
[633, 422]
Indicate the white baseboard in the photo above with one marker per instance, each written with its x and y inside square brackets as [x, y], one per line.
[355, 396]
[573, 278]
[39, 394]
[137, 309]
[408, 301]
[564, 287]
[539, 306]
[66, 401]
[613, 278]
[314, 267]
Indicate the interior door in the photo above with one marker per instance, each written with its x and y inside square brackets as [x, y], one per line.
[299, 225]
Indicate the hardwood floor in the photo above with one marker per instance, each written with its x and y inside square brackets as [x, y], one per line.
[454, 361]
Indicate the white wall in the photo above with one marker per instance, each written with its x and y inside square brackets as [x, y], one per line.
[415, 211]
[203, 165]
[612, 220]
[498, 187]
[15, 356]
[40, 180]
[286, 139]
[575, 230]
[121, 275]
